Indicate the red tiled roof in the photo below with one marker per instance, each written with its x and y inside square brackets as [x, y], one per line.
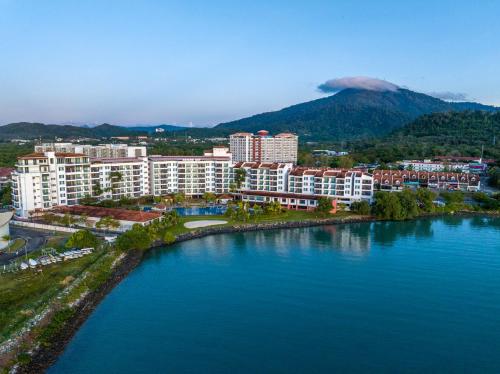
[6, 172]
[119, 214]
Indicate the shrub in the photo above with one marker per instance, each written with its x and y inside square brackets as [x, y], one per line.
[361, 207]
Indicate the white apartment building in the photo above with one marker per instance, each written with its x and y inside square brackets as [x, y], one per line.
[114, 178]
[94, 151]
[44, 180]
[261, 176]
[345, 186]
[303, 187]
[247, 147]
[192, 175]
[434, 166]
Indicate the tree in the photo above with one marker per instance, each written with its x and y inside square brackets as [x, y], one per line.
[107, 223]
[66, 220]
[97, 189]
[6, 195]
[425, 200]
[346, 162]
[324, 205]
[82, 239]
[257, 211]
[408, 201]
[171, 218]
[179, 197]
[135, 238]
[168, 238]
[452, 198]
[388, 206]
[209, 197]
[273, 208]
[361, 207]
[239, 177]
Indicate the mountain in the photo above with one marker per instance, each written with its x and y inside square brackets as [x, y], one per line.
[351, 113]
[465, 133]
[30, 130]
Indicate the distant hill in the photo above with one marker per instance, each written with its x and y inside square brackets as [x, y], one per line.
[30, 130]
[351, 113]
[450, 133]
[152, 129]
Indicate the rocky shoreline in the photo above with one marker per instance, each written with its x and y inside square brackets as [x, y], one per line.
[44, 357]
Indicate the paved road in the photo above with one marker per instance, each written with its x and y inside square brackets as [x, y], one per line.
[34, 240]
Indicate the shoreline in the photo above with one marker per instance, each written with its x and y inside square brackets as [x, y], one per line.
[44, 357]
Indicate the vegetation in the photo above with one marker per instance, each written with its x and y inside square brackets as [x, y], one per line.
[239, 177]
[29, 130]
[107, 223]
[9, 152]
[361, 207]
[399, 206]
[455, 133]
[324, 205]
[209, 197]
[6, 196]
[348, 114]
[82, 239]
[137, 237]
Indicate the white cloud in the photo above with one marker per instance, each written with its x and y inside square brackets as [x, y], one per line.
[364, 83]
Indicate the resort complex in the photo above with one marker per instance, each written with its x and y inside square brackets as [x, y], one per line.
[257, 169]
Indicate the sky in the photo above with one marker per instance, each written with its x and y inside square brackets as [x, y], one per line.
[206, 62]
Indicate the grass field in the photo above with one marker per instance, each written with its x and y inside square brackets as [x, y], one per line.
[16, 245]
[25, 293]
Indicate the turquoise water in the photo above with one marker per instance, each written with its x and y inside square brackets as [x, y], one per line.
[413, 297]
[201, 211]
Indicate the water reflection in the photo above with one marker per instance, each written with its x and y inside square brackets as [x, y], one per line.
[483, 221]
[386, 233]
[354, 239]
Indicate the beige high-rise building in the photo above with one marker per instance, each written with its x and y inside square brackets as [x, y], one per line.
[247, 147]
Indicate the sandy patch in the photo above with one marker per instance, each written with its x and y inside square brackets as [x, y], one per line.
[203, 223]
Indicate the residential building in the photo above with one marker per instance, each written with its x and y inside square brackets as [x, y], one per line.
[45, 180]
[192, 175]
[94, 151]
[247, 147]
[5, 176]
[395, 180]
[261, 176]
[433, 166]
[304, 186]
[115, 178]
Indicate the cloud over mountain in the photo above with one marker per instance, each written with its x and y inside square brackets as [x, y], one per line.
[364, 83]
[449, 96]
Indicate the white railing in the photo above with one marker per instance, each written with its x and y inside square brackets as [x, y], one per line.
[43, 226]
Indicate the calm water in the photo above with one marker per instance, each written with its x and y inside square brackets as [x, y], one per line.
[418, 297]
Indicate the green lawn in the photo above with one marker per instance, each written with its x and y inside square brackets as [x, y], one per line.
[16, 245]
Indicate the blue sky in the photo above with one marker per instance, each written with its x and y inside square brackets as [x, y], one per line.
[130, 62]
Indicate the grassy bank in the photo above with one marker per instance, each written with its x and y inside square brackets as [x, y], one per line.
[33, 302]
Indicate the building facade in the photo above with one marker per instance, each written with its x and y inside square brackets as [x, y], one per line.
[302, 187]
[44, 180]
[247, 147]
[94, 151]
[395, 180]
[191, 175]
[116, 178]
[433, 166]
